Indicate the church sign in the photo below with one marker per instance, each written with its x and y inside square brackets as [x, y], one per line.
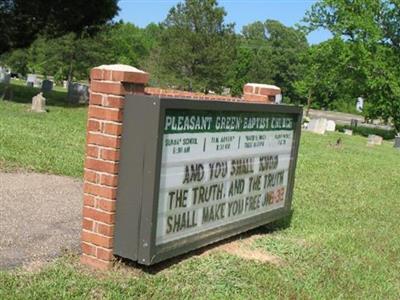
[195, 172]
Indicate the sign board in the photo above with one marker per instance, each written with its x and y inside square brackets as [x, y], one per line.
[195, 172]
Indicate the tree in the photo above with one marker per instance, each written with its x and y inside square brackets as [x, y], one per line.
[64, 58]
[270, 53]
[17, 60]
[372, 29]
[22, 20]
[196, 46]
[332, 76]
[71, 57]
[129, 44]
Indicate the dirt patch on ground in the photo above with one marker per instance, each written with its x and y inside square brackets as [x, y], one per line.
[245, 252]
[243, 248]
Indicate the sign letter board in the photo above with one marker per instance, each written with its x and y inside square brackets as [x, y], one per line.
[195, 172]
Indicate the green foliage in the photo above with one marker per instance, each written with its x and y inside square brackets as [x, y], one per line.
[270, 53]
[17, 60]
[366, 131]
[196, 46]
[332, 76]
[72, 56]
[22, 21]
[371, 33]
[67, 57]
[128, 44]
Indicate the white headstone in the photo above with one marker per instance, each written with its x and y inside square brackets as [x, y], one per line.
[31, 78]
[348, 132]
[37, 83]
[317, 125]
[5, 77]
[374, 140]
[330, 126]
[360, 104]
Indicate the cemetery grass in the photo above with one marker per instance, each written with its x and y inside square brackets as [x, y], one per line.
[51, 142]
[343, 240]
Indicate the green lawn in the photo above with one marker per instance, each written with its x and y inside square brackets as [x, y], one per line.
[42, 142]
[343, 240]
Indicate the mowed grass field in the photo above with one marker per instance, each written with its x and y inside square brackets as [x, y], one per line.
[51, 142]
[343, 241]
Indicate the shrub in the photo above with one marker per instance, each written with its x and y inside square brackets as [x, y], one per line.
[365, 131]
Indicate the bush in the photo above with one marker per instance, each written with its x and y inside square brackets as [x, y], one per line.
[365, 131]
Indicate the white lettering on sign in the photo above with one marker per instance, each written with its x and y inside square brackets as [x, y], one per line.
[221, 167]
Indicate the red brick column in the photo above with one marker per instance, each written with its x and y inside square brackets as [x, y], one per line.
[263, 93]
[109, 85]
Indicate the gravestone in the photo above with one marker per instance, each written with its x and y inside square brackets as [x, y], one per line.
[8, 93]
[5, 78]
[317, 125]
[78, 93]
[39, 103]
[65, 84]
[360, 104]
[354, 123]
[397, 142]
[348, 132]
[30, 81]
[330, 126]
[374, 140]
[37, 83]
[47, 86]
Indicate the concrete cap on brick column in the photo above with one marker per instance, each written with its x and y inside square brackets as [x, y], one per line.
[122, 73]
[261, 89]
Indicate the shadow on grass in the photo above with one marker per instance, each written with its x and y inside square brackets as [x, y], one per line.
[263, 230]
[23, 94]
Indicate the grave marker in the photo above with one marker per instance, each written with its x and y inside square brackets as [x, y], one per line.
[330, 126]
[47, 86]
[397, 142]
[5, 77]
[78, 93]
[348, 132]
[374, 140]
[39, 103]
[31, 80]
[360, 104]
[317, 125]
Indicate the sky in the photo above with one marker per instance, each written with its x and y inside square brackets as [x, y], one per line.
[240, 12]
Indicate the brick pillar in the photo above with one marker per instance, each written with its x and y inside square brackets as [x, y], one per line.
[109, 84]
[263, 93]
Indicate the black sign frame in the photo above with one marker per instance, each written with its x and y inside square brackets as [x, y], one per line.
[139, 178]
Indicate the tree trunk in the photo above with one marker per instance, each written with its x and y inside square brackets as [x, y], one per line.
[309, 100]
[70, 71]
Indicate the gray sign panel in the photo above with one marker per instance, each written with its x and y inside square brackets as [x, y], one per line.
[195, 172]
